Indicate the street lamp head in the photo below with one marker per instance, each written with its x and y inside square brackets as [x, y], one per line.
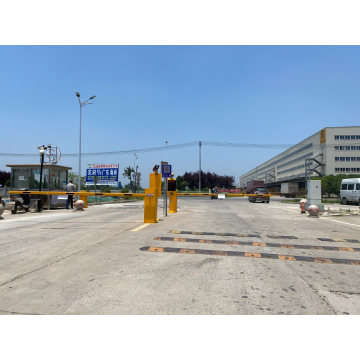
[42, 151]
[93, 97]
[78, 94]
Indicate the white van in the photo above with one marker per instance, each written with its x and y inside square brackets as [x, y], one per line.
[350, 191]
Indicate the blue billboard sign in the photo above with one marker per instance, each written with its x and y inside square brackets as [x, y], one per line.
[102, 174]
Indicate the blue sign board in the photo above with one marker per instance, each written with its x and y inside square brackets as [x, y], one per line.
[105, 174]
[165, 170]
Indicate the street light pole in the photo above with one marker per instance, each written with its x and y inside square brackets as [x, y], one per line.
[79, 175]
[42, 153]
[135, 172]
[84, 103]
[199, 166]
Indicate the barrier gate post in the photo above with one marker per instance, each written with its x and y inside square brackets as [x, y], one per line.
[155, 183]
[172, 201]
[150, 206]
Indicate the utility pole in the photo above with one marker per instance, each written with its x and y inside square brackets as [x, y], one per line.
[199, 166]
[82, 103]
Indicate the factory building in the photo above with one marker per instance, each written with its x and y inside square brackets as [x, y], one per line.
[331, 151]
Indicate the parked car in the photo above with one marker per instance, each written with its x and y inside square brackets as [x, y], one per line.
[260, 193]
[4, 197]
[350, 191]
[19, 202]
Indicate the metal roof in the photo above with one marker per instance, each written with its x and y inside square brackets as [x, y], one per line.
[52, 166]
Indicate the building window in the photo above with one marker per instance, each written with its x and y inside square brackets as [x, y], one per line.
[347, 148]
[347, 137]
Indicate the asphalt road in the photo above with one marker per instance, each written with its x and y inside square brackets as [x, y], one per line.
[255, 259]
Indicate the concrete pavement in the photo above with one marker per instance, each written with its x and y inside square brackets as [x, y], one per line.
[64, 262]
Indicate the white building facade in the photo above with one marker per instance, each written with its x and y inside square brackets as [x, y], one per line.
[331, 151]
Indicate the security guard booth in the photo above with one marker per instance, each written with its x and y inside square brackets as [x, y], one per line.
[54, 178]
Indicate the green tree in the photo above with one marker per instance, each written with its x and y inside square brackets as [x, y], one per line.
[4, 177]
[179, 180]
[128, 172]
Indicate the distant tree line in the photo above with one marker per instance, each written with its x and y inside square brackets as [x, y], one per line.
[190, 180]
[5, 178]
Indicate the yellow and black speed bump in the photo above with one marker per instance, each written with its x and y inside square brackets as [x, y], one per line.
[231, 234]
[339, 240]
[250, 254]
[281, 237]
[251, 243]
[212, 233]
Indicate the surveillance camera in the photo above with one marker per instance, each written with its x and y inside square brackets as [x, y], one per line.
[78, 94]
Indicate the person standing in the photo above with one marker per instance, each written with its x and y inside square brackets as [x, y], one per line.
[70, 187]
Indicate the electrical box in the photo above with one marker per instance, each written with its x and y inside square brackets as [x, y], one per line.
[314, 194]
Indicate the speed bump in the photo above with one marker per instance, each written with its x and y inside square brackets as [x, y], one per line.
[339, 240]
[231, 234]
[263, 244]
[212, 233]
[252, 255]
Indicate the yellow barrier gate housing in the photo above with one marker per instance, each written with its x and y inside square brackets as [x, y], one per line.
[155, 183]
[172, 201]
[151, 198]
[150, 206]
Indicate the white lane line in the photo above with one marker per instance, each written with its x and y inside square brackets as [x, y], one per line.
[140, 227]
[341, 222]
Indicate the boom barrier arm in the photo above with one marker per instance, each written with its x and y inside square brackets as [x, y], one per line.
[226, 194]
[81, 193]
[86, 193]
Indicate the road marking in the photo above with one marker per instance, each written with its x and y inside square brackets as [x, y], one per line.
[212, 233]
[250, 243]
[339, 240]
[140, 227]
[231, 234]
[282, 237]
[341, 222]
[252, 255]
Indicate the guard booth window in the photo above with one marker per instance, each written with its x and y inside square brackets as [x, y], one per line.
[35, 179]
[20, 178]
[54, 180]
[62, 179]
[57, 179]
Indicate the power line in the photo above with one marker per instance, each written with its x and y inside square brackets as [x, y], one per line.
[189, 144]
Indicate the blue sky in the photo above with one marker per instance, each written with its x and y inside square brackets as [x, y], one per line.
[146, 95]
